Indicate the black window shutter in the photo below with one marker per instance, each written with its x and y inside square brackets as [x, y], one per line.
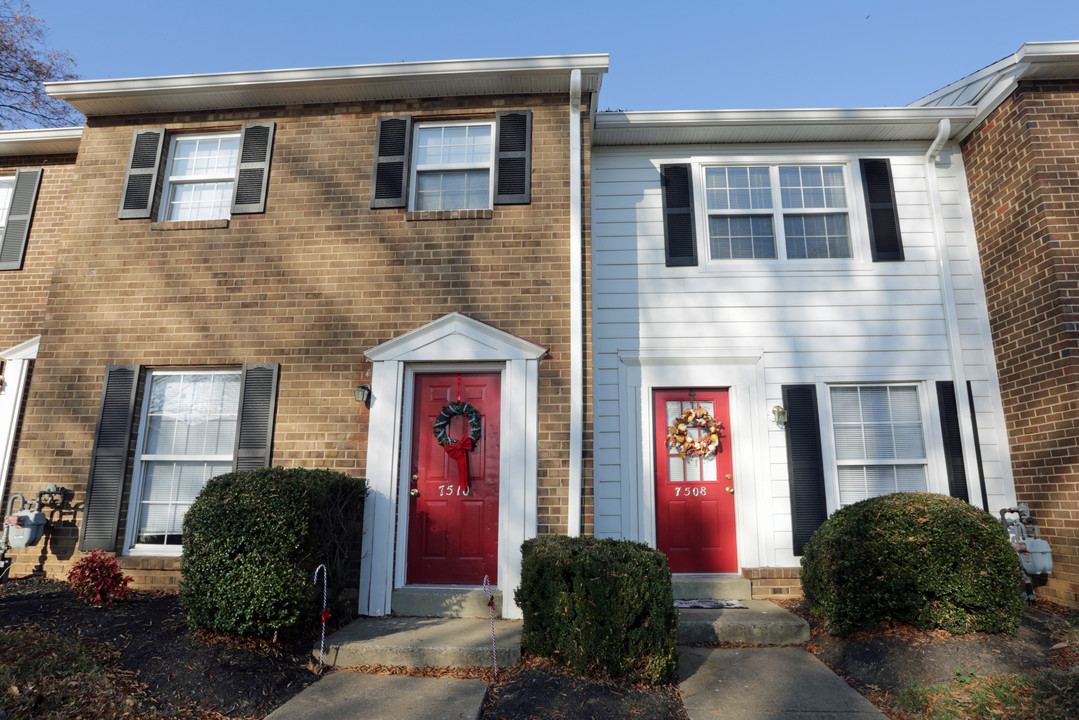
[805, 463]
[108, 463]
[679, 238]
[137, 198]
[17, 229]
[392, 143]
[513, 157]
[948, 405]
[253, 169]
[258, 402]
[884, 238]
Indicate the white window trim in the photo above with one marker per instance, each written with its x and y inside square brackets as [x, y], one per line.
[8, 181]
[857, 219]
[936, 478]
[416, 168]
[135, 500]
[171, 181]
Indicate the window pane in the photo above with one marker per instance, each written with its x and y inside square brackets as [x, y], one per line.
[200, 201]
[7, 189]
[817, 236]
[738, 188]
[206, 156]
[169, 490]
[453, 144]
[741, 236]
[453, 190]
[812, 186]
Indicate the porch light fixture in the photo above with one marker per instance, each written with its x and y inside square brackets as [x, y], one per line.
[363, 393]
[779, 413]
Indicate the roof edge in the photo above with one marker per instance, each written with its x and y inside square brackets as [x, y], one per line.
[40, 141]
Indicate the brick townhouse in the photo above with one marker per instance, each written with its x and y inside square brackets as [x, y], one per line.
[232, 261]
[1022, 160]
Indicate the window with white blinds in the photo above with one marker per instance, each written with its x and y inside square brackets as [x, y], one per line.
[879, 440]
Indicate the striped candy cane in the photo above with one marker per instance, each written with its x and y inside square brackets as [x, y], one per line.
[491, 605]
[325, 612]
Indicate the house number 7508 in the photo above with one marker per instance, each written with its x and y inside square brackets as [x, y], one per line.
[686, 492]
[451, 490]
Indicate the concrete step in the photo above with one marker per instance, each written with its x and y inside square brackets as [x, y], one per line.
[444, 602]
[718, 587]
[761, 623]
[423, 642]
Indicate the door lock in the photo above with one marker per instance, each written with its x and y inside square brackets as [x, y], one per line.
[414, 492]
[730, 490]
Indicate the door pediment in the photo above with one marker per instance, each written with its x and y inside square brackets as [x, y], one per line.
[457, 338]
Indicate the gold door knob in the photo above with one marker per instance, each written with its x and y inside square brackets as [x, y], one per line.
[414, 492]
[730, 490]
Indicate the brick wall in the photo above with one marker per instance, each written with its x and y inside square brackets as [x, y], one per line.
[774, 582]
[311, 284]
[1023, 170]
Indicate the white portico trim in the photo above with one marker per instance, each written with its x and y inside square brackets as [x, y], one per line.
[451, 340]
[15, 364]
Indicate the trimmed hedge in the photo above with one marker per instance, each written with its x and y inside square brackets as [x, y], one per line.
[927, 560]
[603, 607]
[252, 541]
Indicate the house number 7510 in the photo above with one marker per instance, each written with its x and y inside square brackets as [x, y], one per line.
[451, 490]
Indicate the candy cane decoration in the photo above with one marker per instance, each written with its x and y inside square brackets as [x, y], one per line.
[325, 612]
[491, 604]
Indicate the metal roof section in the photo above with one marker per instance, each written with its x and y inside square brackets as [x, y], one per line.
[987, 88]
[697, 127]
[47, 141]
[352, 83]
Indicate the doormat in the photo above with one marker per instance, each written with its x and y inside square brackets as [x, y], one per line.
[710, 604]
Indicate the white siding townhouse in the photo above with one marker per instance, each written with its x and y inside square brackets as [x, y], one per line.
[810, 279]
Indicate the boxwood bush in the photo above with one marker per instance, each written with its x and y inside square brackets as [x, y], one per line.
[930, 561]
[603, 607]
[252, 541]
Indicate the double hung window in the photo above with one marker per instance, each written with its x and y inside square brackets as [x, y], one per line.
[186, 436]
[7, 190]
[201, 177]
[777, 211]
[879, 440]
[452, 166]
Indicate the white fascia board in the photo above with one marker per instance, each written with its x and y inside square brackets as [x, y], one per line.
[43, 141]
[783, 125]
[351, 82]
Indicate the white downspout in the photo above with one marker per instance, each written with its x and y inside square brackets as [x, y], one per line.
[951, 317]
[576, 324]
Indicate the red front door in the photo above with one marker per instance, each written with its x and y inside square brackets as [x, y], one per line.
[695, 496]
[453, 527]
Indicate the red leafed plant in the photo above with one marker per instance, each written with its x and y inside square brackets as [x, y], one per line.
[97, 578]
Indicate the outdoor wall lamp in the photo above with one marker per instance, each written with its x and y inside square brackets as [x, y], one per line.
[363, 393]
[779, 413]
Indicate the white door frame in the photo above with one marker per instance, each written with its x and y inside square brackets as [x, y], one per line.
[456, 341]
[18, 361]
[641, 372]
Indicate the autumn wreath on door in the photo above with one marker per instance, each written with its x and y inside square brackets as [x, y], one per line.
[458, 450]
[684, 443]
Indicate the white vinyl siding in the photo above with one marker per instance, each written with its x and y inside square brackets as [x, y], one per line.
[186, 436]
[825, 322]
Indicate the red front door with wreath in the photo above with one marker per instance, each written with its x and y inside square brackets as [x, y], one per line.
[694, 481]
[453, 520]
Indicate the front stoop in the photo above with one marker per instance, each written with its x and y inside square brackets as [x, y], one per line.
[718, 587]
[423, 642]
[445, 602]
[761, 623]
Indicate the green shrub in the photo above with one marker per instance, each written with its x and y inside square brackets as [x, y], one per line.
[252, 541]
[930, 561]
[603, 607]
[98, 579]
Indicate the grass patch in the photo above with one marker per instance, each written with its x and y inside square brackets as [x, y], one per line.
[1046, 695]
[52, 677]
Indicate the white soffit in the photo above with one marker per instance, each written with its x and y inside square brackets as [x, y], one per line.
[775, 126]
[988, 87]
[352, 83]
[48, 141]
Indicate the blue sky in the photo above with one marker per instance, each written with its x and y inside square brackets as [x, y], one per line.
[664, 55]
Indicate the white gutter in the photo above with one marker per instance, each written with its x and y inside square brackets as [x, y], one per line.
[576, 323]
[951, 317]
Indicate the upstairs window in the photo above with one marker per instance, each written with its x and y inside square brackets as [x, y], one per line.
[759, 212]
[201, 176]
[7, 190]
[452, 167]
